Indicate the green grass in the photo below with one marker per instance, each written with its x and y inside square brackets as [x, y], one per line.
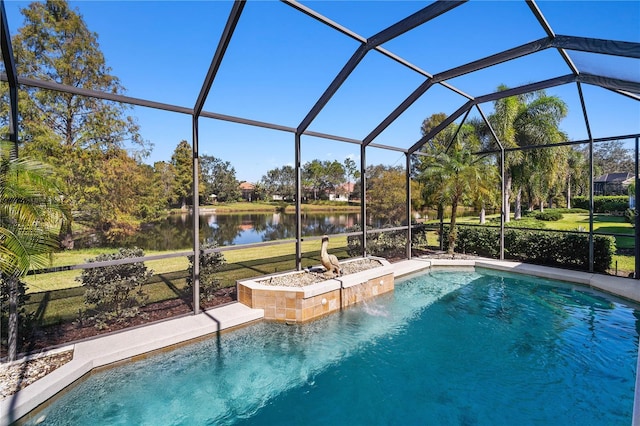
[263, 206]
[574, 221]
[58, 297]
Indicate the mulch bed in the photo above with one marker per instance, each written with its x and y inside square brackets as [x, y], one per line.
[66, 333]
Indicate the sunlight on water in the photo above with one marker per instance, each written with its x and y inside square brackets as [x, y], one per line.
[422, 346]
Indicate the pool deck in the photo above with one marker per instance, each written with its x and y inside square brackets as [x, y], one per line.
[137, 343]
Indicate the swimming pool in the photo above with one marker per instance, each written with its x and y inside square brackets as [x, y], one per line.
[470, 347]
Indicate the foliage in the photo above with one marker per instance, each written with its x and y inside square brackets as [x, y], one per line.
[385, 244]
[82, 138]
[322, 177]
[541, 247]
[603, 203]
[220, 179]
[210, 265]
[182, 162]
[456, 176]
[386, 195]
[24, 319]
[280, 182]
[116, 291]
[30, 216]
[530, 119]
[548, 216]
[611, 157]
[630, 216]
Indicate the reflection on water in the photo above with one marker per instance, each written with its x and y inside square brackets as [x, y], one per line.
[175, 233]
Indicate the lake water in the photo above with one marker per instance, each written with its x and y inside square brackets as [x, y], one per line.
[175, 233]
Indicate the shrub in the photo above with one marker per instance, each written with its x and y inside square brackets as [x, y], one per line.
[540, 247]
[385, 244]
[548, 216]
[210, 264]
[25, 320]
[630, 216]
[603, 203]
[115, 291]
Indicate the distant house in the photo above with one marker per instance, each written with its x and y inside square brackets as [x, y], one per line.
[612, 183]
[342, 192]
[248, 191]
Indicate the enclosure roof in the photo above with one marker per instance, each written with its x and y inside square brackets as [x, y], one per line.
[368, 73]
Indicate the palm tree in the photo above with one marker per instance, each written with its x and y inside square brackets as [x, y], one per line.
[528, 120]
[459, 176]
[30, 216]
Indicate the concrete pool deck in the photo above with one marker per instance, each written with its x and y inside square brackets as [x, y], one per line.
[137, 343]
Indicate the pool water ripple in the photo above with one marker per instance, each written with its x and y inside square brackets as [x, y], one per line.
[477, 348]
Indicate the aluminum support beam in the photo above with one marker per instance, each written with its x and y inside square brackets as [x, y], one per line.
[225, 38]
[12, 78]
[586, 122]
[610, 83]
[420, 17]
[504, 204]
[298, 183]
[363, 197]
[450, 119]
[424, 15]
[595, 45]
[527, 88]
[196, 220]
[636, 275]
[408, 204]
[216, 61]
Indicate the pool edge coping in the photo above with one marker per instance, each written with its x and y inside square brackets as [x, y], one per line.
[135, 343]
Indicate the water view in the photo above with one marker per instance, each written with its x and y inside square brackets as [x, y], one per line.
[175, 232]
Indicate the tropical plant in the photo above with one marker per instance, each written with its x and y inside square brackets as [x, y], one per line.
[523, 121]
[31, 214]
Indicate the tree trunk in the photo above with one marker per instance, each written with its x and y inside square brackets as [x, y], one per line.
[483, 215]
[13, 319]
[569, 193]
[517, 215]
[541, 205]
[507, 205]
[452, 227]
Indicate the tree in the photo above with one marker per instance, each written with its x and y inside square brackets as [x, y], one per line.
[528, 120]
[386, 194]
[30, 216]
[220, 179]
[611, 157]
[280, 182]
[74, 134]
[182, 162]
[351, 171]
[452, 174]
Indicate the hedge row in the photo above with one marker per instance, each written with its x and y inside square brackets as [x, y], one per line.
[541, 247]
[603, 203]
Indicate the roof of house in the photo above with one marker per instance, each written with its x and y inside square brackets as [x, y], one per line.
[613, 177]
[247, 186]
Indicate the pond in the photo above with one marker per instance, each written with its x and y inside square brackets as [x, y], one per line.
[175, 232]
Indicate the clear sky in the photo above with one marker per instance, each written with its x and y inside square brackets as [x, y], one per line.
[280, 61]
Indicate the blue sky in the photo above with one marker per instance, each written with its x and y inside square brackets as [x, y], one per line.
[280, 61]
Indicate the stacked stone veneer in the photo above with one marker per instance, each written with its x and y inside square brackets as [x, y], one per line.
[301, 304]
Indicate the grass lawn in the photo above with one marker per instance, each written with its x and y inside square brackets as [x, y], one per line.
[263, 206]
[59, 296]
[574, 221]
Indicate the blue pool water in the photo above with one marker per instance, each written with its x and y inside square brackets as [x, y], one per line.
[463, 348]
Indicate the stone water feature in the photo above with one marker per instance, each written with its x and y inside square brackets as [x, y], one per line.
[297, 297]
